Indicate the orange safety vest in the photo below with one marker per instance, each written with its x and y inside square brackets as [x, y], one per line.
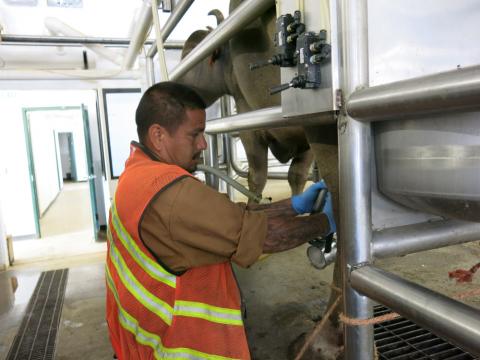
[152, 313]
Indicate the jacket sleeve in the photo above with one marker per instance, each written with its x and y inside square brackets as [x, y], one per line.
[189, 224]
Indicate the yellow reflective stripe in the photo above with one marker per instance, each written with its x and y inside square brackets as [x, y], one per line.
[150, 266]
[147, 299]
[154, 341]
[208, 312]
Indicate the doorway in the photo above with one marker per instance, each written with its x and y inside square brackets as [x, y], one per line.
[63, 192]
[67, 156]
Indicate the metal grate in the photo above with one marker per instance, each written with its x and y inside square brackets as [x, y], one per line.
[401, 339]
[37, 335]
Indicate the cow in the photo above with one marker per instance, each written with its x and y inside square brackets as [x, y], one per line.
[219, 75]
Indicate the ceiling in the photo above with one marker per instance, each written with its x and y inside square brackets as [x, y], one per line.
[93, 18]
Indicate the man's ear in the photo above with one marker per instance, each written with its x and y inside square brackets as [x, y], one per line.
[156, 136]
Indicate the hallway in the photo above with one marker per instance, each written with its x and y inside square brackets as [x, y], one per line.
[70, 211]
[66, 228]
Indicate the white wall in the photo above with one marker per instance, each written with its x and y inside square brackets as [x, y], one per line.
[3, 244]
[44, 160]
[3, 230]
[17, 197]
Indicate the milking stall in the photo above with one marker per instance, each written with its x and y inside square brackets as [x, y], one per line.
[378, 98]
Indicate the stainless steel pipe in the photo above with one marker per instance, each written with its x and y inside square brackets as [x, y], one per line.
[456, 90]
[149, 72]
[448, 318]
[138, 36]
[174, 18]
[409, 239]
[248, 11]
[246, 121]
[211, 160]
[63, 40]
[265, 119]
[242, 189]
[354, 145]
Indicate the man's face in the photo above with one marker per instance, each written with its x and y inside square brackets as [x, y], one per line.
[184, 146]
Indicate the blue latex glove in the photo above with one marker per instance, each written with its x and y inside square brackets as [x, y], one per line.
[303, 203]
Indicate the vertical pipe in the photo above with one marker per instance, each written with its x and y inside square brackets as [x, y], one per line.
[159, 42]
[211, 159]
[226, 110]
[178, 12]
[150, 71]
[355, 183]
[228, 156]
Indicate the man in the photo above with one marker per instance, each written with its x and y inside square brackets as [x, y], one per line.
[171, 290]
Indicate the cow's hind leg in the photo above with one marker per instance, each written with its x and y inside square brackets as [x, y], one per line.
[256, 150]
[323, 141]
[298, 171]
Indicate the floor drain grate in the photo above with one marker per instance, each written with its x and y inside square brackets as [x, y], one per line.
[401, 339]
[37, 335]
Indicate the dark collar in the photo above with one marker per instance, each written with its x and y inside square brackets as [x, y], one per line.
[146, 150]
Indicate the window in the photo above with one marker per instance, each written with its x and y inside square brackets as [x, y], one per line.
[120, 106]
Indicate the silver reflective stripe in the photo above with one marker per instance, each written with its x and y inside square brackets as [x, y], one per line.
[150, 266]
[154, 304]
[208, 312]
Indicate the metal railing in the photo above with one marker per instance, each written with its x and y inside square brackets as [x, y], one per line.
[448, 318]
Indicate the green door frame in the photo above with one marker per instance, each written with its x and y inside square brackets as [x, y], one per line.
[90, 171]
[58, 161]
[31, 169]
[31, 165]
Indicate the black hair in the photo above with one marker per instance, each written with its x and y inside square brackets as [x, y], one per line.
[165, 104]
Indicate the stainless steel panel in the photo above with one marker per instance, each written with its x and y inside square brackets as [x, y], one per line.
[432, 164]
[317, 15]
[428, 163]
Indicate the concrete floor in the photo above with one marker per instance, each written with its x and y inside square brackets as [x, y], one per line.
[285, 295]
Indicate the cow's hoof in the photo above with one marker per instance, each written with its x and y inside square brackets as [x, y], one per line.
[327, 345]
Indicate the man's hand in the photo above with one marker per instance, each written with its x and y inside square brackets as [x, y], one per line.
[303, 203]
